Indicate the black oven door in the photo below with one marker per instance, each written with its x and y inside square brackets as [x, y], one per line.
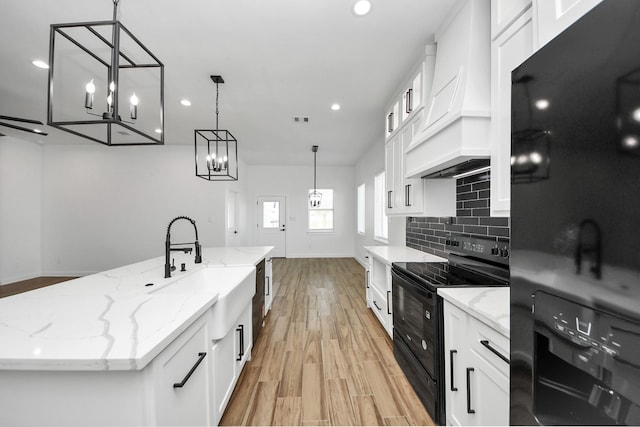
[415, 319]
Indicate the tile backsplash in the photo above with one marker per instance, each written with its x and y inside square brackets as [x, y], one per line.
[428, 234]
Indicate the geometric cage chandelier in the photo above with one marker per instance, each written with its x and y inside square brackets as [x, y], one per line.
[216, 150]
[104, 84]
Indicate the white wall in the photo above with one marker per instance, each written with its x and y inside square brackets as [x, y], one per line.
[371, 163]
[105, 207]
[294, 182]
[20, 209]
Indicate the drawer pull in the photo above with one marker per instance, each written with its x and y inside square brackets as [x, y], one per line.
[469, 410]
[367, 282]
[451, 353]
[374, 303]
[388, 298]
[240, 329]
[494, 351]
[268, 280]
[201, 357]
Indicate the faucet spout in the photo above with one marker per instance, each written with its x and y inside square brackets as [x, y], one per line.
[167, 246]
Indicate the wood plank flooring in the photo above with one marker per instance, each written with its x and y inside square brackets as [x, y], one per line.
[322, 357]
[30, 284]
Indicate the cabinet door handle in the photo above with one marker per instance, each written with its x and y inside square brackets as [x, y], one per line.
[494, 351]
[469, 410]
[388, 298]
[367, 278]
[240, 329]
[390, 123]
[451, 353]
[181, 384]
[268, 280]
[374, 303]
[389, 199]
[407, 195]
[408, 105]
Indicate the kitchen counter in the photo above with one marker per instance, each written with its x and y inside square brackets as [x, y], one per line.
[490, 305]
[119, 319]
[391, 254]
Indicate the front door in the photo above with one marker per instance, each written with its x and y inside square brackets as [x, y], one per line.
[271, 224]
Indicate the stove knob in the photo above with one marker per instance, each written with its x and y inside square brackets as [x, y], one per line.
[504, 253]
[495, 251]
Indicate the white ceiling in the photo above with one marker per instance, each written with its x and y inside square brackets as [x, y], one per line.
[279, 59]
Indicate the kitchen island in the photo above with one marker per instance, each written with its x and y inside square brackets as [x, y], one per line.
[128, 346]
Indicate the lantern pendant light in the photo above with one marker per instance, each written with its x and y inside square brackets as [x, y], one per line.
[122, 80]
[216, 150]
[315, 197]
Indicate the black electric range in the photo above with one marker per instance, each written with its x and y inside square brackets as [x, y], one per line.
[418, 323]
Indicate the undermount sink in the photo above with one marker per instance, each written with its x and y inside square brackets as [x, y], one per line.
[236, 287]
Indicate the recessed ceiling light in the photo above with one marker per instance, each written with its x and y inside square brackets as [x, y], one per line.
[40, 64]
[158, 130]
[335, 107]
[362, 7]
[186, 103]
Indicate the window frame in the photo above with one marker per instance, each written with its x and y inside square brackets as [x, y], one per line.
[361, 209]
[380, 219]
[332, 209]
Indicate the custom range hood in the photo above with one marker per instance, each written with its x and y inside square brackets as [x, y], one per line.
[455, 137]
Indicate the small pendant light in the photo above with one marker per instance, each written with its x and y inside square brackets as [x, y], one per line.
[315, 198]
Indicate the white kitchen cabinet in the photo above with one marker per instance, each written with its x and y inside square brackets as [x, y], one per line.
[391, 174]
[504, 13]
[476, 370]
[392, 119]
[551, 17]
[367, 280]
[509, 49]
[229, 356]
[180, 379]
[268, 285]
[380, 292]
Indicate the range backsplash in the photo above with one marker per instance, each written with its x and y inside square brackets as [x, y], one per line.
[428, 234]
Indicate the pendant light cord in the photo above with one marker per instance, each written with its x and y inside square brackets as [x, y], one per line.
[115, 9]
[314, 171]
[217, 109]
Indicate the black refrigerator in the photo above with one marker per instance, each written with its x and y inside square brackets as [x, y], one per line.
[575, 218]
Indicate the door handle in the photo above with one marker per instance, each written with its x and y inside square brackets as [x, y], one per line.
[451, 353]
[469, 410]
[181, 384]
[494, 351]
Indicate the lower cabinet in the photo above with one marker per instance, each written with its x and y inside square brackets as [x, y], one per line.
[378, 291]
[476, 371]
[180, 378]
[268, 285]
[229, 355]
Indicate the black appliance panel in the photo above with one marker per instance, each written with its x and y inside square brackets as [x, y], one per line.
[415, 317]
[587, 365]
[575, 213]
[425, 386]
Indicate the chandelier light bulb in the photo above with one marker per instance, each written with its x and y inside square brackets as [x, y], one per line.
[134, 99]
[112, 86]
[88, 97]
[109, 100]
[134, 106]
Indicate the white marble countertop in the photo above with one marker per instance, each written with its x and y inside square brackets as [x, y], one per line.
[111, 320]
[390, 254]
[489, 305]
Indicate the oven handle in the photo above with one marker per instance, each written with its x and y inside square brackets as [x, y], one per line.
[494, 351]
[408, 282]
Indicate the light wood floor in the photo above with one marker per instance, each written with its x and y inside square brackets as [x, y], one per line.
[322, 358]
[30, 284]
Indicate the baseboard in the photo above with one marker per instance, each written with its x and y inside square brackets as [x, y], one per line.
[362, 262]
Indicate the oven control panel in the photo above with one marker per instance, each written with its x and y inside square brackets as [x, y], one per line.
[490, 249]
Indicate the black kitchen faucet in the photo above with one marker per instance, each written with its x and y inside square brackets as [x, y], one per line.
[167, 246]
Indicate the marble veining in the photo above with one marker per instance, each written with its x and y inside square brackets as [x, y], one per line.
[111, 320]
[391, 254]
[489, 305]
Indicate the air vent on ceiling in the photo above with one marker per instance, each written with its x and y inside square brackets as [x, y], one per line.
[301, 120]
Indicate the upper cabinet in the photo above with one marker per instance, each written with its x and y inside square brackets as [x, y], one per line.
[512, 44]
[554, 16]
[405, 118]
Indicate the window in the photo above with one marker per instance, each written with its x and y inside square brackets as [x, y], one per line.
[380, 224]
[271, 214]
[361, 209]
[321, 218]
